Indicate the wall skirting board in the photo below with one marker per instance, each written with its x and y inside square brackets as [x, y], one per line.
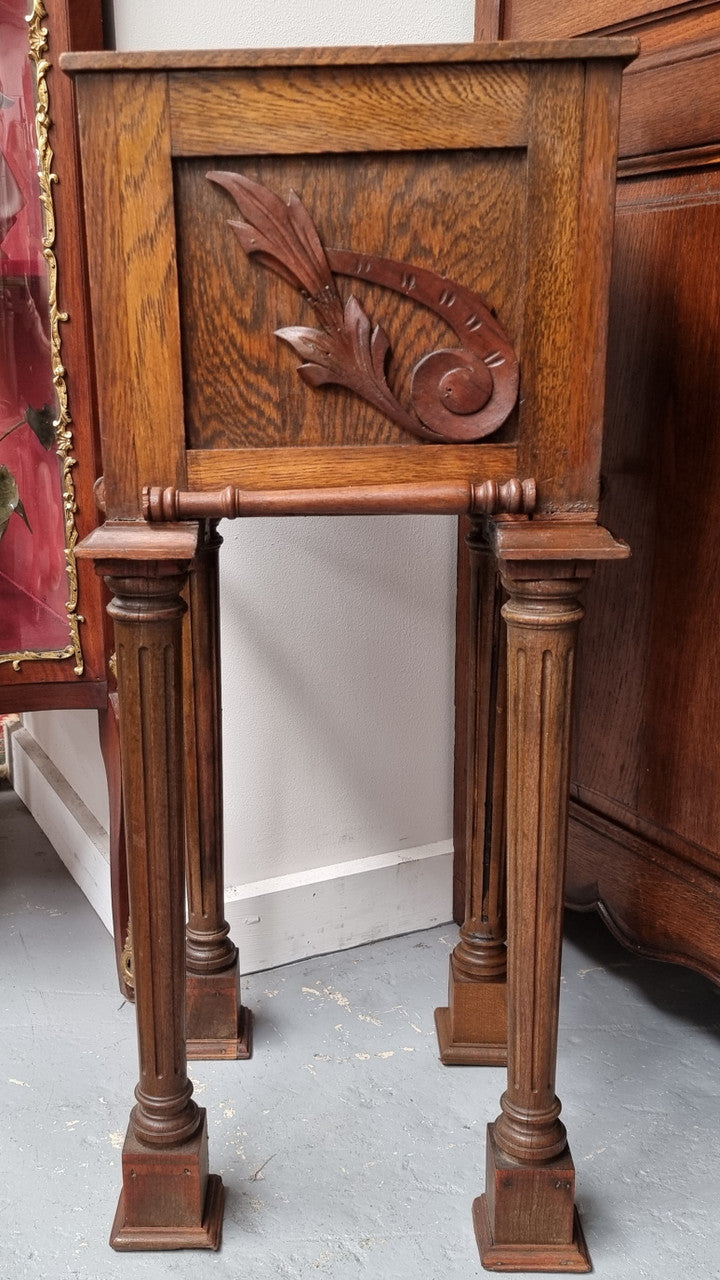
[73, 831]
[275, 921]
[343, 905]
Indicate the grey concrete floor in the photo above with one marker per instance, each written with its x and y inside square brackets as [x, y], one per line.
[346, 1149]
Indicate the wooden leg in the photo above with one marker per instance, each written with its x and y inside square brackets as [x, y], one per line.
[110, 747]
[168, 1200]
[472, 1030]
[526, 1221]
[218, 1026]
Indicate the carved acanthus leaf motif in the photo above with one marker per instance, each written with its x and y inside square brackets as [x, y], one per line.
[353, 356]
[458, 394]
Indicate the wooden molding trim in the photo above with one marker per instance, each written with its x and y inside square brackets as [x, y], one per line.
[666, 161]
[544, 540]
[585, 47]
[135, 540]
[620, 873]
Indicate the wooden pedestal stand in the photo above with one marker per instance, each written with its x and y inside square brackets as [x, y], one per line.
[168, 1198]
[472, 1030]
[472, 190]
[526, 1220]
[218, 1024]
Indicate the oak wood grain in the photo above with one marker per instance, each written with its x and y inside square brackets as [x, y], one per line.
[123, 125]
[397, 108]
[669, 99]
[312, 467]
[350, 55]
[561, 418]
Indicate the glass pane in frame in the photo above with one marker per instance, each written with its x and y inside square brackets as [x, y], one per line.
[38, 583]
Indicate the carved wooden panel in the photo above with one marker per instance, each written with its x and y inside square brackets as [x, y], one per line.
[405, 210]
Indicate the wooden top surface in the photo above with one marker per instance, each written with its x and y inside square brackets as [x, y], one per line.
[624, 48]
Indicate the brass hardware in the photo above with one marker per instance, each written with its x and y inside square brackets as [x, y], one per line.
[126, 958]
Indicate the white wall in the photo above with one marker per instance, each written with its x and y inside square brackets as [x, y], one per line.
[337, 638]
[185, 24]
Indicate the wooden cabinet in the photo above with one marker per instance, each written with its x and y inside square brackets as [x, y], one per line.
[54, 632]
[645, 818]
[52, 629]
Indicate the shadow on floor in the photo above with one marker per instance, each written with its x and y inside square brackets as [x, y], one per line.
[676, 990]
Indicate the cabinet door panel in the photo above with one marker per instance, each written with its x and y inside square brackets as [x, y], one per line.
[649, 698]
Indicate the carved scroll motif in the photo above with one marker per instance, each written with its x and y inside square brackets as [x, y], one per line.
[458, 394]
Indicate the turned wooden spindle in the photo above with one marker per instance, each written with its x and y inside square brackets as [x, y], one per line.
[478, 498]
[527, 1220]
[168, 1199]
[472, 1030]
[218, 1026]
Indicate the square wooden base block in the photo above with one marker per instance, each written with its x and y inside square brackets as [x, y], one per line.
[218, 1026]
[472, 1030]
[168, 1200]
[527, 1220]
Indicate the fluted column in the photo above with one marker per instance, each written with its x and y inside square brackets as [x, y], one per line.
[472, 1030]
[109, 727]
[168, 1199]
[526, 1220]
[218, 1026]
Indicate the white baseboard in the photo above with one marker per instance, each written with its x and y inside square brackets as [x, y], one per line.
[275, 921]
[343, 905]
[73, 831]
